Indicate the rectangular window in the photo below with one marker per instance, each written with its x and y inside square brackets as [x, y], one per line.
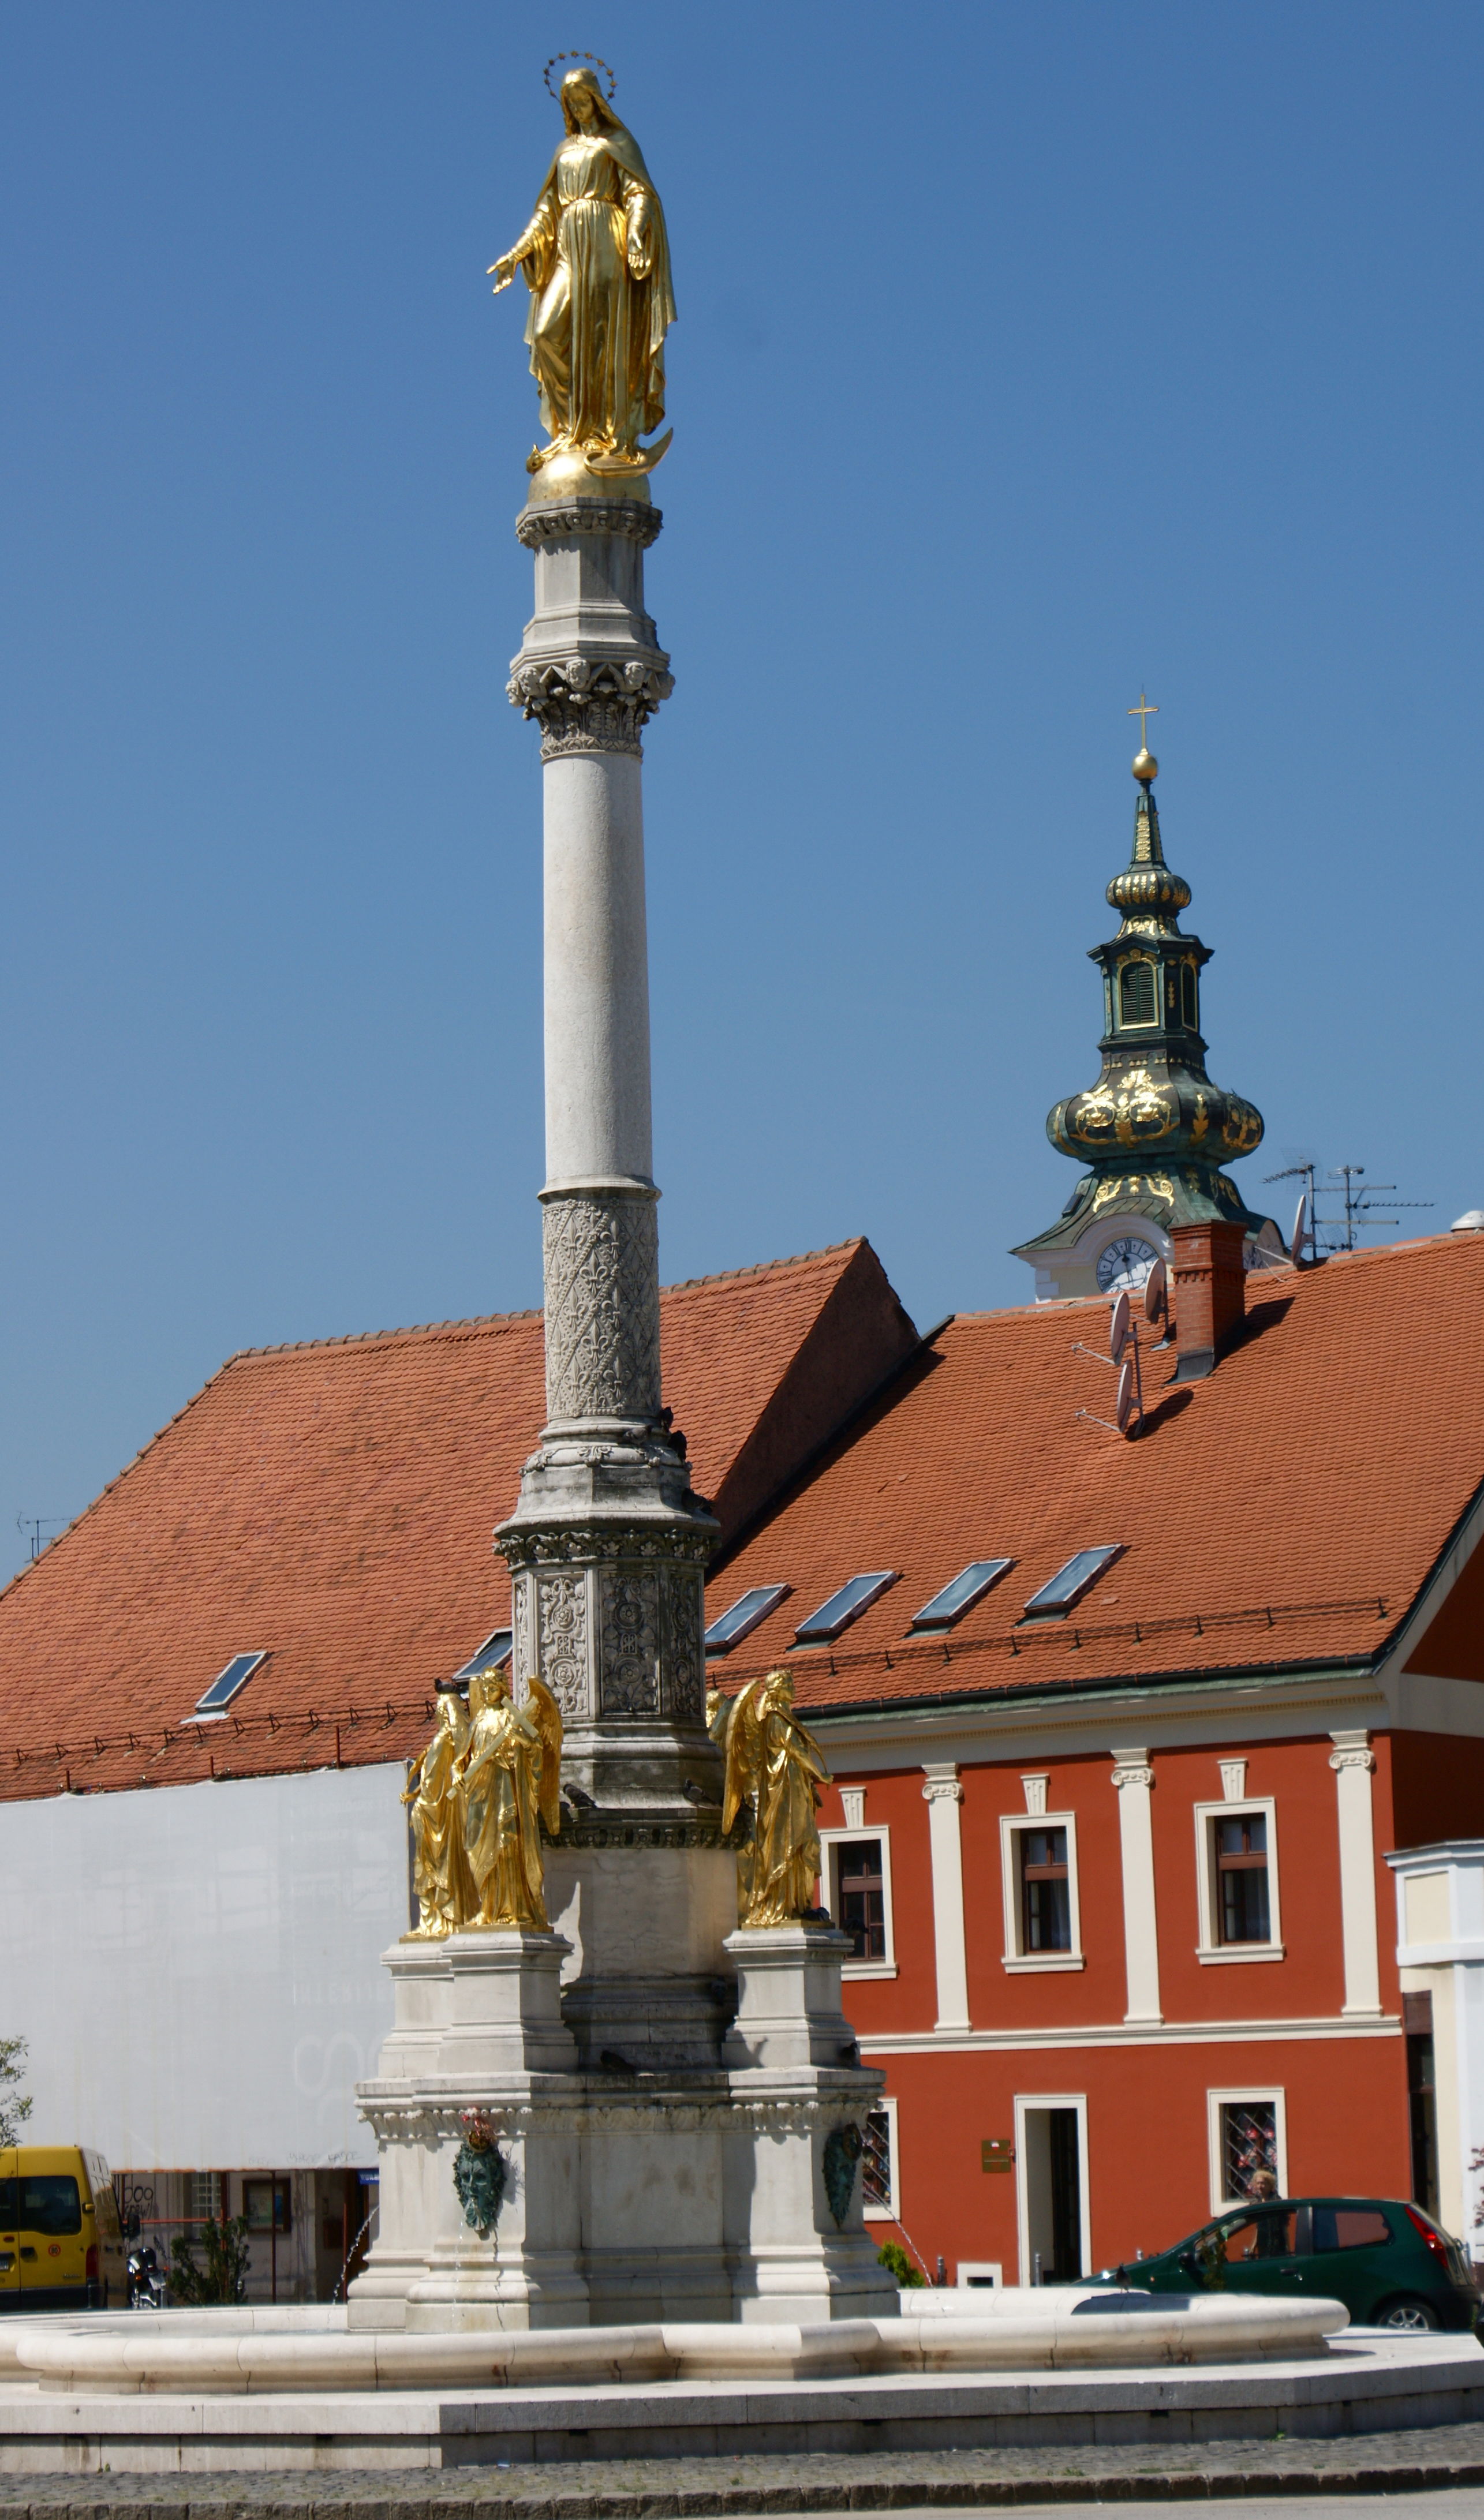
[961, 1593]
[496, 1649]
[860, 1908]
[746, 1613]
[1046, 1915]
[1248, 2146]
[1348, 2227]
[50, 2206]
[1260, 2236]
[1038, 1858]
[1242, 1879]
[227, 1682]
[836, 1614]
[880, 2177]
[1067, 1586]
[203, 2195]
[856, 1888]
[1237, 1866]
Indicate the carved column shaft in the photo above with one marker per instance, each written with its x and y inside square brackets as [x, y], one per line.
[607, 1542]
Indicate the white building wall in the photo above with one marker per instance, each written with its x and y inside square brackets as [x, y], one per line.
[197, 1968]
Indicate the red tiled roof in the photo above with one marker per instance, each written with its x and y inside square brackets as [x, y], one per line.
[1288, 1510]
[333, 1504]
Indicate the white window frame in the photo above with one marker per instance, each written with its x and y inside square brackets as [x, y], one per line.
[1024, 2102]
[1245, 2097]
[829, 1839]
[1014, 1825]
[979, 2271]
[879, 2213]
[1209, 1950]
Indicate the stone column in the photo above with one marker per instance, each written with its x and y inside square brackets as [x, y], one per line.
[1134, 1779]
[609, 1541]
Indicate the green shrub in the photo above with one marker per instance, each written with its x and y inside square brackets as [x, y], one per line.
[897, 2262]
[224, 2275]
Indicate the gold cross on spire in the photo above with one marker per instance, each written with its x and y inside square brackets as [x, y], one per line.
[1143, 712]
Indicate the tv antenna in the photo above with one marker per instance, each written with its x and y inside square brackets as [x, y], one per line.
[34, 1524]
[1346, 1184]
[1123, 1353]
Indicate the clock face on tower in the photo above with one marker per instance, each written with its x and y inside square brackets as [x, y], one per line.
[1125, 1263]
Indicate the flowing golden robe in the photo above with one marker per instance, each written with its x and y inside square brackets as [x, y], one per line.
[508, 1774]
[438, 1872]
[597, 260]
[774, 1764]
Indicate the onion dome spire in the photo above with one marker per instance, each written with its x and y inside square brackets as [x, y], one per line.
[1154, 1131]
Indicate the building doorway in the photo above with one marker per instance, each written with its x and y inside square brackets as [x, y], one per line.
[1051, 2181]
[1422, 2100]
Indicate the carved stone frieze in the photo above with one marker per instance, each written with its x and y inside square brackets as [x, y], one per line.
[416, 2117]
[629, 1652]
[587, 706]
[640, 525]
[601, 1275]
[592, 1829]
[683, 1649]
[599, 1544]
[561, 1628]
[522, 1597]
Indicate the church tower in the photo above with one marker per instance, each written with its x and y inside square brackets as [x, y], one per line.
[1153, 1132]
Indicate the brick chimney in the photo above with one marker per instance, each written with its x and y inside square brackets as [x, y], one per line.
[1211, 1298]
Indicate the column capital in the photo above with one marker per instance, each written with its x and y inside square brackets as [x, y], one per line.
[1351, 1750]
[940, 1783]
[1132, 1768]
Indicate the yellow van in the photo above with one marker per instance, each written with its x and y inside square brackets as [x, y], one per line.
[61, 2246]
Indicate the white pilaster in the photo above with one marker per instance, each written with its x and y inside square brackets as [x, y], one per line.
[1354, 1763]
[943, 1794]
[1134, 1778]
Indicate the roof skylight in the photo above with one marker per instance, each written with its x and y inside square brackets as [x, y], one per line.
[836, 1614]
[1056, 1598]
[746, 1613]
[961, 1593]
[225, 1686]
[497, 1647]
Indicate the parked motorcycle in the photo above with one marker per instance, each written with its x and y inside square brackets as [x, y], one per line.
[147, 2285]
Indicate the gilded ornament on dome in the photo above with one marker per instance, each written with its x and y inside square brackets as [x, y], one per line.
[595, 259]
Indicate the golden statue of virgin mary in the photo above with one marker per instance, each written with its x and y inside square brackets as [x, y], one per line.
[596, 262]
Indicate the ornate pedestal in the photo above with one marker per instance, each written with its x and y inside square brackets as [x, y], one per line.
[722, 2192]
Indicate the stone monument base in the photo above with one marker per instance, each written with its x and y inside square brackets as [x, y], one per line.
[627, 2192]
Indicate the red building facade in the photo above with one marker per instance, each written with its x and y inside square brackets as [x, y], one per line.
[1117, 1879]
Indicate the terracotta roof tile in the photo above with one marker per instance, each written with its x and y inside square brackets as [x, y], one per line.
[1288, 1510]
[333, 1502]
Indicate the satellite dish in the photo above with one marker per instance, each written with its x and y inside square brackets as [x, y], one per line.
[1123, 1326]
[1300, 1224]
[1127, 1394]
[1157, 1291]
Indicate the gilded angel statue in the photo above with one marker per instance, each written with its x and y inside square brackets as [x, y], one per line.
[508, 1782]
[776, 1767]
[596, 262]
[437, 1869]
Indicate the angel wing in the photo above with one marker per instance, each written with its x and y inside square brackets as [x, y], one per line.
[546, 1715]
[742, 1751]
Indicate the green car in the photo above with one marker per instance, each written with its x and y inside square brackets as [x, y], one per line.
[1389, 2263]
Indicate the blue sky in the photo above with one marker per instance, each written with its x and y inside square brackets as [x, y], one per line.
[1025, 357]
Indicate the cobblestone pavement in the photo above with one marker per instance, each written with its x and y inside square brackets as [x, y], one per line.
[1440, 2470]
